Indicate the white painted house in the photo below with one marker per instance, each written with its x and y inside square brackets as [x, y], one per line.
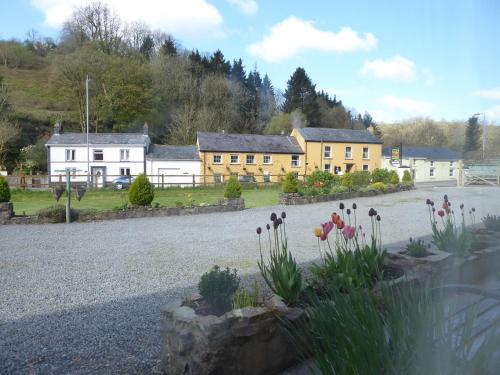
[426, 163]
[112, 155]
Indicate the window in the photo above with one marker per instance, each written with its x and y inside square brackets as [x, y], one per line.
[432, 163]
[125, 171]
[365, 167]
[250, 159]
[267, 159]
[70, 155]
[348, 152]
[124, 155]
[431, 172]
[328, 168]
[327, 152]
[217, 159]
[217, 179]
[267, 177]
[295, 160]
[366, 153]
[452, 172]
[451, 164]
[235, 159]
[337, 170]
[98, 155]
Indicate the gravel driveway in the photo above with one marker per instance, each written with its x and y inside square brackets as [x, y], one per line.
[86, 298]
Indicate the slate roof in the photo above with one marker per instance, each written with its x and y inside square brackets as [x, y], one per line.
[274, 144]
[163, 152]
[98, 139]
[338, 135]
[431, 153]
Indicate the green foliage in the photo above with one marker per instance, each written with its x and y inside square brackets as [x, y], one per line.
[394, 178]
[320, 178]
[312, 191]
[121, 207]
[290, 184]
[244, 298]
[57, 214]
[491, 222]
[381, 175]
[232, 188]
[336, 189]
[346, 181]
[380, 186]
[356, 180]
[407, 180]
[472, 134]
[281, 273]
[416, 249]
[218, 286]
[406, 330]
[358, 268]
[367, 189]
[282, 123]
[141, 191]
[301, 94]
[4, 190]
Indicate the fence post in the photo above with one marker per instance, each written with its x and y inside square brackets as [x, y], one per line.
[194, 180]
[162, 181]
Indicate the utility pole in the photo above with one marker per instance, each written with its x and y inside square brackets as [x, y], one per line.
[87, 118]
[484, 135]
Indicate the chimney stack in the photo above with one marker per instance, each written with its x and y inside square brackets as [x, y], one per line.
[58, 128]
[145, 129]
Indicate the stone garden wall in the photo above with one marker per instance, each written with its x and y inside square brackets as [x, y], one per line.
[226, 205]
[6, 212]
[296, 199]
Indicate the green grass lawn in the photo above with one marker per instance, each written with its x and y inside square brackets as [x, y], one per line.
[29, 202]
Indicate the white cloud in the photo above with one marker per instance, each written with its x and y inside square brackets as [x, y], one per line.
[179, 17]
[246, 6]
[398, 68]
[493, 115]
[292, 36]
[488, 94]
[408, 106]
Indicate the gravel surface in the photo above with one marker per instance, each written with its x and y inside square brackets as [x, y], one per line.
[86, 298]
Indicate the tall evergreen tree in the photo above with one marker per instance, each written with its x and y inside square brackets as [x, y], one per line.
[169, 48]
[472, 134]
[218, 63]
[301, 94]
[238, 73]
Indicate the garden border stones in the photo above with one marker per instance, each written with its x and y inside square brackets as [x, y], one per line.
[225, 205]
[6, 212]
[292, 199]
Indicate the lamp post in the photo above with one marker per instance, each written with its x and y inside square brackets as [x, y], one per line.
[87, 118]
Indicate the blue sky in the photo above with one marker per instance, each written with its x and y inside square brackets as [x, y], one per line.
[396, 59]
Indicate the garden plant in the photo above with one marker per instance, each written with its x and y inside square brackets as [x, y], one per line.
[141, 191]
[217, 288]
[4, 190]
[492, 222]
[232, 189]
[290, 184]
[417, 248]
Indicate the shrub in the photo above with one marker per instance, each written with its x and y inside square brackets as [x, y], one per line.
[141, 191]
[380, 186]
[346, 181]
[218, 286]
[4, 190]
[232, 189]
[407, 180]
[243, 298]
[321, 179]
[492, 222]
[394, 178]
[381, 175]
[291, 183]
[57, 214]
[338, 189]
[121, 207]
[360, 179]
[281, 274]
[416, 249]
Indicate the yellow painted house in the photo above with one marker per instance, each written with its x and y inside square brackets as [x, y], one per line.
[339, 150]
[252, 157]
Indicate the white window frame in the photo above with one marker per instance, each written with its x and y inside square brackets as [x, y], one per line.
[124, 171]
[253, 159]
[451, 164]
[237, 159]
[70, 154]
[348, 154]
[329, 169]
[270, 161]
[124, 154]
[101, 151]
[327, 152]
[367, 153]
[295, 162]
[366, 167]
[215, 156]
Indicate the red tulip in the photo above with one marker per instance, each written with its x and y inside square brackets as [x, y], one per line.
[445, 205]
[327, 227]
[322, 237]
[441, 213]
[349, 232]
[335, 218]
[340, 224]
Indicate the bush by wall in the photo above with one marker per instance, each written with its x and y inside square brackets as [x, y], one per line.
[378, 186]
[4, 190]
[394, 178]
[381, 175]
[322, 179]
[407, 180]
[141, 191]
[218, 286]
[291, 184]
[232, 189]
[56, 214]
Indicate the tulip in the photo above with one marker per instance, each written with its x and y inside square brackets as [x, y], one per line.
[448, 211]
[340, 224]
[322, 237]
[349, 232]
[335, 218]
[327, 227]
[445, 205]
[317, 232]
[259, 230]
[441, 213]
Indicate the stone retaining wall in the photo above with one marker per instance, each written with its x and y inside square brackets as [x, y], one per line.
[296, 199]
[6, 212]
[226, 205]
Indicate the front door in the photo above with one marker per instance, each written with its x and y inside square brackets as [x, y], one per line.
[98, 176]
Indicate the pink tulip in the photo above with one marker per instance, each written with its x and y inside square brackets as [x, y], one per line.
[327, 227]
[349, 232]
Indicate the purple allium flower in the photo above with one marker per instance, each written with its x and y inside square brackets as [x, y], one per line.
[378, 218]
[273, 217]
[341, 206]
[279, 221]
[462, 206]
[259, 230]
[283, 215]
[428, 201]
[268, 226]
[348, 211]
[432, 203]
[473, 209]
[354, 206]
[446, 197]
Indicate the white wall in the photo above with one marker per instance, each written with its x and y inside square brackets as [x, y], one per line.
[111, 161]
[421, 169]
[175, 172]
